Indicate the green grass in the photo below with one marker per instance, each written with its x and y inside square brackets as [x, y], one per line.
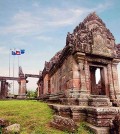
[33, 116]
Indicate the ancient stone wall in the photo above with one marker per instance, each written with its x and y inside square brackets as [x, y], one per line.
[45, 84]
[66, 77]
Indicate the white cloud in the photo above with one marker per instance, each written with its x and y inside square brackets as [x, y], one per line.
[4, 50]
[19, 43]
[24, 22]
[104, 6]
[35, 4]
[44, 38]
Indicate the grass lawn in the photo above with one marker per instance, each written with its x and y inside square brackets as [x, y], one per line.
[33, 116]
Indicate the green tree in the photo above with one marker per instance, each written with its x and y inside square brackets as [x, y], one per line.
[31, 94]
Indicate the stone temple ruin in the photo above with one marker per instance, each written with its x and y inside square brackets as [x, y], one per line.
[69, 78]
[22, 81]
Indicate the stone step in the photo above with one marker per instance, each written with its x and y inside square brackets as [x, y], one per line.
[99, 101]
[64, 124]
[98, 130]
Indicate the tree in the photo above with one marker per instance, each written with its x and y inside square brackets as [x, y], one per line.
[31, 94]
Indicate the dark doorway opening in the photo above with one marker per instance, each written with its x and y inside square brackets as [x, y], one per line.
[97, 80]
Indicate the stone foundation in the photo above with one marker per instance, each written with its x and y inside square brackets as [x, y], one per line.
[21, 97]
[98, 130]
[101, 116]
[98, 118]
[99, 101]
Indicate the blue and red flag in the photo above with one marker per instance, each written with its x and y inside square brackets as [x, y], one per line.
[18, 52]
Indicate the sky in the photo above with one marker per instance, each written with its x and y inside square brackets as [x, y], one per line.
[40, 27]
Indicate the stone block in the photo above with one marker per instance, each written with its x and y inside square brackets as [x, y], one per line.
[15, 129]
[64, 124]
[65, 112]
[99, 101]
[69, 101]
[78, 113]
[101, 116]
[82, 101]
[98, 130]
[3, 122]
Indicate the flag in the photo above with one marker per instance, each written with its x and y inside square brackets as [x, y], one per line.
[22, 51]
[18, 52]
[13, 53]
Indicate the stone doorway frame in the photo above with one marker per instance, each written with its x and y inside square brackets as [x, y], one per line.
[103, 79]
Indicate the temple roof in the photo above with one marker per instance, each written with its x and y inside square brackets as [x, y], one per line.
[90, 37]
[93, 16]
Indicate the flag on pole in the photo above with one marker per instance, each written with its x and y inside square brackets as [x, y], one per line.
[18, 52]
[22, 51]
[13, 52]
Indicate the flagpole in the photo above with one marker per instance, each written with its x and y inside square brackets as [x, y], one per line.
[13, 70]
[18, 64]
[9, 61]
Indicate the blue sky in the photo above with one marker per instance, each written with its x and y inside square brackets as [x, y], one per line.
[40, 27]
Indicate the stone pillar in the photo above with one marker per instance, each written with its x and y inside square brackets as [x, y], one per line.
[107, 92]
[115, 81]
[4, 89]
[87, 77]
[38, 91]
[80, 59]
[83, 88]
[84, 93]
[22, 89]
[110, 82]
[93, 80]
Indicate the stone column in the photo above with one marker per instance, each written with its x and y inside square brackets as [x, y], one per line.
[87, 77]
[83, 88]
[3, 90]
[106, 81]
[115, 81]
[83, 97]
[93, 80]
[22, 89]
[110, 82]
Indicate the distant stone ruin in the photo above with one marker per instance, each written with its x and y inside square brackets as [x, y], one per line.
[69, 78]
[21, 79]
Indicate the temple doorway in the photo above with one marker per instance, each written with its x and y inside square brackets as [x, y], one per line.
[97, 80]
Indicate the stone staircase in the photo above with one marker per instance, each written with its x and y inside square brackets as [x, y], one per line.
[97, 113]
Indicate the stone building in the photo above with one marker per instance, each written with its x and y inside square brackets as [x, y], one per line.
[70, 76]
[72, 70]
